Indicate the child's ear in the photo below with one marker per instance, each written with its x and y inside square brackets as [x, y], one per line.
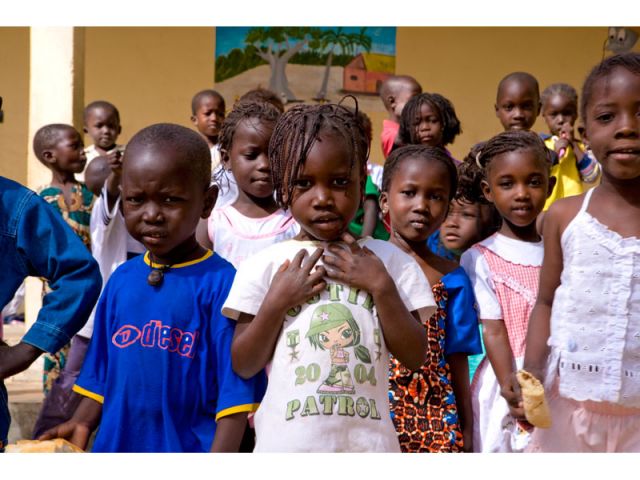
[486, 190]
[194, 120]
[210, 197]
[383, 201]
[85, 130]
[49, 157]
[495, 107]
[552, 183]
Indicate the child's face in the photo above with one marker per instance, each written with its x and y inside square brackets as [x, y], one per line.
[327, 192]
[209, 116]
[558, 111]
[68, 154]
[612, 126]
[462, 227]
[163, 202]
[417, 199]
[103, 127]
[248, 158]
[518, 105]
[517, 184]
[428, 127]
[402, 96]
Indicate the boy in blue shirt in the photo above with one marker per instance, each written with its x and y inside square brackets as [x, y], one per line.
[157, 376]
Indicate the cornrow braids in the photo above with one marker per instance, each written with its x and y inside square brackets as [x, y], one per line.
[628, 61]
[442, 106]
[263, 111]
[470, 177]
[427, 152]
[511, 141]
[295, 134]
[563, 89]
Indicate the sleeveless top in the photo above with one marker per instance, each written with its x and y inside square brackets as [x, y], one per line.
[516, 287]
[236, 237]
[595, 318]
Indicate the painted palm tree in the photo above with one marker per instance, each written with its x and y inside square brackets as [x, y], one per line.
[348, 43]
[276, 46]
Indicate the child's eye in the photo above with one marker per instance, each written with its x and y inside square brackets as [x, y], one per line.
[435, 196]
[301, 184]
[134, 200]
[171, 199]
[341, 182]
[536, 182]
[505, 184]
[408, 193]
[604, 117]
[469, 215]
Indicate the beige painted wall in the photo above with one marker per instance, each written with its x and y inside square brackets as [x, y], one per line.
[466, 64]
[149, 73]
[14, 89]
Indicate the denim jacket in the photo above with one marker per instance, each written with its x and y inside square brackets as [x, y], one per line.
[36, 241]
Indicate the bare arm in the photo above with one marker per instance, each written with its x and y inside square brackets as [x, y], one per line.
[459, 364]
[78, 430]
[360, 267]
[229, 432]
[17, 358]
[538, 332]
[496, 342]
[255, 337]
[370, 216]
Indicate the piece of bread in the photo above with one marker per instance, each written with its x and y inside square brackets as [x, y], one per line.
[58, 445]
[536, 408]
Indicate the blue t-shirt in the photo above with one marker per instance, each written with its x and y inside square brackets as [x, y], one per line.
[160, 360]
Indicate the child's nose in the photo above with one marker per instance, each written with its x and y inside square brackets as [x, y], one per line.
[152, 213]
[629, 126]
[322, 197]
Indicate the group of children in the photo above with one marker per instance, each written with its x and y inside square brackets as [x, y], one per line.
[256, 303]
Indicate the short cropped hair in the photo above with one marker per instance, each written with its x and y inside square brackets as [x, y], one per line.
[208, 93]
[47, 137]
[184, 140]
[100, 104]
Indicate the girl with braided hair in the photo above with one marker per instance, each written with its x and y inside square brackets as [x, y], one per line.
[504, 270]
[429, 119]
[303, 304]
[253, 221]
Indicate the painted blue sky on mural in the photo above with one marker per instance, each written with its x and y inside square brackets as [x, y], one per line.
[383, 38]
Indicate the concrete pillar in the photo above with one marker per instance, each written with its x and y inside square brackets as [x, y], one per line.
[56, 95]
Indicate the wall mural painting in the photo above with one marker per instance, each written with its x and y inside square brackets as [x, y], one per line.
[305, 64]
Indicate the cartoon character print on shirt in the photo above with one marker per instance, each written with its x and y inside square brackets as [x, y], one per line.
[333, 328]
[343, 384]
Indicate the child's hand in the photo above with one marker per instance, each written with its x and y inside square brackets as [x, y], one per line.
[75, 432]
[114, 158]
[356, 266]
[566, 132]
[294, 283]
[513, 396]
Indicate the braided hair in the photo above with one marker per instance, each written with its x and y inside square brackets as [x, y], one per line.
[426, 152]
[443, 108]
[263, 112]
[563, 89]
[628, 61]
[511, 141]
[470, 177]
[295, 134]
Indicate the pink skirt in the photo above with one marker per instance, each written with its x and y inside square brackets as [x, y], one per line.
[587, 426]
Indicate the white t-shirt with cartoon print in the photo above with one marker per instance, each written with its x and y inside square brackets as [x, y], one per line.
[328, 381]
